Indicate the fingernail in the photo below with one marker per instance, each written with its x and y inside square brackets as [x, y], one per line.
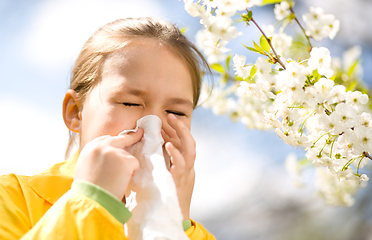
[172, 116]
[170, 144]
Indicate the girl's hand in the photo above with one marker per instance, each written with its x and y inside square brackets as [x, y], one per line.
[180, 146]
[105, 163]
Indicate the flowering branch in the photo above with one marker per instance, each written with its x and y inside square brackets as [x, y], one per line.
[308, 102]
[277, 59]
[299, 24]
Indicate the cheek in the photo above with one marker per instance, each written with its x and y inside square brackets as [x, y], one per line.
[106, 120]
[187, 122]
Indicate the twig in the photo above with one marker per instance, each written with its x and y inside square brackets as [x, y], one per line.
[366, 154]
[303, 30]
[269, 41]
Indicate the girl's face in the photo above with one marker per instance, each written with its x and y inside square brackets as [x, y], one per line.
[143, 78]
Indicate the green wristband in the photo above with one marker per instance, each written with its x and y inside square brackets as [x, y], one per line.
[107, 200]
[186, 224]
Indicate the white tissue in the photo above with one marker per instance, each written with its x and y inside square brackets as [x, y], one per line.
[156, 213]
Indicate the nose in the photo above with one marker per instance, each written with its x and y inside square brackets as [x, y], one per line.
[162, 115]
[169, 131]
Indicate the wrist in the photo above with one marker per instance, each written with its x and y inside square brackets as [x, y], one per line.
[186, 216]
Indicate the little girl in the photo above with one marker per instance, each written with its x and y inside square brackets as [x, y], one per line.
[128, 69]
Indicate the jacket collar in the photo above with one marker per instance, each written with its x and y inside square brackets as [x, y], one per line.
[55, 181]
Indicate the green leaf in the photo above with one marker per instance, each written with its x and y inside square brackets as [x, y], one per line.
[250, 15]
[352, 86]
[238, 79]
[266, 2]
[264, 44]
[352, 68]
[316, 75]
[228, 62]
[247, 17]
[304, 161]
[251, 49]
[253, 71]
[259, 49]
[332, 78]
[218, 67]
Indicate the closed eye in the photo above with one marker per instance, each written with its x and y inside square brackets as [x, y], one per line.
[131, 104]
[176, 113]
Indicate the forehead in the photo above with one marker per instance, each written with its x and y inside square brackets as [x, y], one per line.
[147, 62]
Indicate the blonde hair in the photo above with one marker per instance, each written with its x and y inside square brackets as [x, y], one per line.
[114, 36]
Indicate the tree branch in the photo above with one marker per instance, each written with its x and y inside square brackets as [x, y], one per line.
[303, 30]
[366, 154]
[269, 41]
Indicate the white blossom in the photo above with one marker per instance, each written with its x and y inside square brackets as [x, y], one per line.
[263, 66]
[316, 31]
[364, 139]
[356, 97]
[193, 9]
[337, 94]
[324, 86]
[217, 100]
[366, 119]
[331, 25]
[214, 49]
[294, 75]
[239, 66]
[320, 59]
[314, 15]
[282, 43]
[250, 3]
[334, 191]
[346, 115]
[271, 119]
[346, 140]
[269, 30]
[320, 25]
[282, 10]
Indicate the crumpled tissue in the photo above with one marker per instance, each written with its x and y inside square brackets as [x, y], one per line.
[153, 200]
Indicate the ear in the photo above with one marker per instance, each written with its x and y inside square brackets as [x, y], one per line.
[71, 111]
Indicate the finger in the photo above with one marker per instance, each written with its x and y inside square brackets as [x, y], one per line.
[126, 140]
[175, 142]
[169, 130]
[178, 163]
[187, 141]
[133, 164]
[165, 136]
[101, 138]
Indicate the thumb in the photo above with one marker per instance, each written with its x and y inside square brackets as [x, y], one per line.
[126, 140]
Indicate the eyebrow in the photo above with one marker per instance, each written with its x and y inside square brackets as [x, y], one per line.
[175, 100]
[181, 101]
[136, 92]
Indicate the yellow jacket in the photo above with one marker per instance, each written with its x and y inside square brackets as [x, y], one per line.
[43, 207]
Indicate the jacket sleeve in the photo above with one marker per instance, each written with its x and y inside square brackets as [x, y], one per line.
[77, 216]
[198, 232]
[14, 218]
[73, 216]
